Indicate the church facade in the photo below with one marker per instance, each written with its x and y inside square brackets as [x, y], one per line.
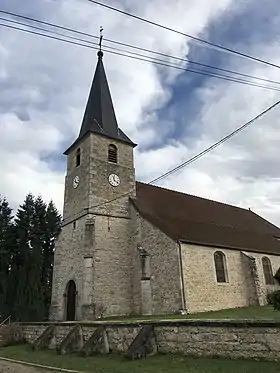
[131, 248]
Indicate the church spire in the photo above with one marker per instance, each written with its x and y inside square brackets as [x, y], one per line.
[99, 116]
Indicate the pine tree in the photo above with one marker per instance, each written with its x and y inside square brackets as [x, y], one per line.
[6, 246]
[36, 226]
[35, 289]
[21, 259]
[52, 229]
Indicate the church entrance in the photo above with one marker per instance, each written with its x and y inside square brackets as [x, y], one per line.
[71, 301]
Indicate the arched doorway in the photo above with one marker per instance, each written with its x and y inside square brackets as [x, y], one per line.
[71, 301]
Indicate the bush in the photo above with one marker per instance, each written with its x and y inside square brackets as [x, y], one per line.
[273, 299]
[11, 334]
[277, 275]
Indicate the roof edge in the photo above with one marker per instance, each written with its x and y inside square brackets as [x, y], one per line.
[199, 197]
[78, 140]
[184, 240]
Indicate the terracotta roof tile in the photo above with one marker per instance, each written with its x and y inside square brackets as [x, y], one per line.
[198, 220]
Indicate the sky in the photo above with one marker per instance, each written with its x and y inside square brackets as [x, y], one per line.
[171, 114]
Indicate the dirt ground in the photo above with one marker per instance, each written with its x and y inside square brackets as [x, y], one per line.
[7, 367]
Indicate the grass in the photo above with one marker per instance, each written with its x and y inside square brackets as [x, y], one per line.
[158, 364]
[252, 313]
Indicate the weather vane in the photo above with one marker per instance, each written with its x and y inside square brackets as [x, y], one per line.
[101, 37]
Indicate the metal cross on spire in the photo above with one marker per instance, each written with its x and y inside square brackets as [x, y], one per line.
[101, 37]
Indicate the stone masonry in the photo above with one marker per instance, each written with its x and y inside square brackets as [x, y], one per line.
[164, 266]
[94, 246]
[111, 258]
[203, 293]
[229, 339]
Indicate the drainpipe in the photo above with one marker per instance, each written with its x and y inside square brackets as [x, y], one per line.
[183, 294]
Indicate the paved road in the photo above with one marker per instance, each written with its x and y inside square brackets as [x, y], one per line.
[7, 367]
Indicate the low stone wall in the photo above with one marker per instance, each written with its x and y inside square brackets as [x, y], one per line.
[228, 338]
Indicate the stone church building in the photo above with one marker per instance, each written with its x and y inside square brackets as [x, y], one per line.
[131, 248]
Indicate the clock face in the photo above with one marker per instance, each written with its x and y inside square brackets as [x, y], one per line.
[114, 180]
[76, 181]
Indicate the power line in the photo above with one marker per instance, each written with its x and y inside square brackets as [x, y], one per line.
[78, 215]
[194, 158]
[210, 148]
[146, 59]
[220, 47]
[110, 200]
[181, 165]
[192, 62]
[128, 45]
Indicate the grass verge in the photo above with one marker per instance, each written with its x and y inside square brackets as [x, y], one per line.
[246, 313]
[116, 364]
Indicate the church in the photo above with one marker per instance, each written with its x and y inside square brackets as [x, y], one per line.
[129, 248]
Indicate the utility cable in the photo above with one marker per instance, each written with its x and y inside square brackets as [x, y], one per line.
[146, 59]
[192, 159]
[130, 46]
[215, 145]
[199, 155]
[220, 47]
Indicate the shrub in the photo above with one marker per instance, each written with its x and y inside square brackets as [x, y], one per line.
[277, 275]
[11, 334]
[273, 299]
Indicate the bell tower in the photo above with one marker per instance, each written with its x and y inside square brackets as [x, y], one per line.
[93, 251]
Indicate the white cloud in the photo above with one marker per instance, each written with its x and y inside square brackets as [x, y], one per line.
[44, 87]
[45, 83]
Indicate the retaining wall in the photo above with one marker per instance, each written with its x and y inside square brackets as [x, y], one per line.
[227, 338]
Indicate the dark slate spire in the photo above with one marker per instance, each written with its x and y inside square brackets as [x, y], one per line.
[100, 115]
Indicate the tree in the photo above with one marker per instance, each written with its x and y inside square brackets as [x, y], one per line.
[30, 259]
[52, 230]
[34, 295]
[21, 259]
[6, 245]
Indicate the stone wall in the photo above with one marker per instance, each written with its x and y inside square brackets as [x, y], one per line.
[231, 339]
[112, 282]
[222, 339]
[68, 265]
[94, 246]
[203, 293]
[164, 267]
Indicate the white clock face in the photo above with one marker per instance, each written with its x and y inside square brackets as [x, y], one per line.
[76, 181]
[114, 180]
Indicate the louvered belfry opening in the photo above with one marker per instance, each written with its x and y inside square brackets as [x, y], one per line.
[112, 154]
[78, 157]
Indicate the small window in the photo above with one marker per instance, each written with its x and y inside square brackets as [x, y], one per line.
[112, 154]
[267, 271]
[145, 266]
[78, 157]
[220, 266]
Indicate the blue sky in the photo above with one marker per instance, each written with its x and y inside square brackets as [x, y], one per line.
[172, 115]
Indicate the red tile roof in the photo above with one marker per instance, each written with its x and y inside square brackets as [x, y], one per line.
[192, 219]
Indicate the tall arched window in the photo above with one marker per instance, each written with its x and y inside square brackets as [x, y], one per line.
[112, 153]
[267, 271]
[220, 266]
[78, 157]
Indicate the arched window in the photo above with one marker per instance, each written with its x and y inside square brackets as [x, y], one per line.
[220, 266]
[112, 153]
[267, 271]
[78, 157]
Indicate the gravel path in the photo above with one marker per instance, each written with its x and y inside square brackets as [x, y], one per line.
[7, 367]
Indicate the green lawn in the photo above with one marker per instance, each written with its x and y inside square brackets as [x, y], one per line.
[252, 313]
[158, 364]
